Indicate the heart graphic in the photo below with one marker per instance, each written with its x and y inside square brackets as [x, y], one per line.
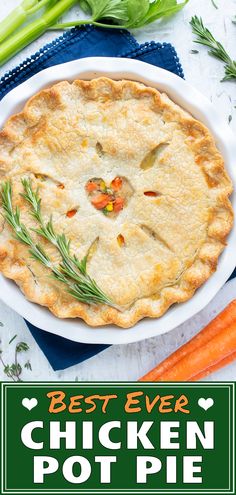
[111, 198]
[29, 403]
[205, 403]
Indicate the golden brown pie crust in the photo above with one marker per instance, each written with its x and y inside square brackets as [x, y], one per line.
[68, 134]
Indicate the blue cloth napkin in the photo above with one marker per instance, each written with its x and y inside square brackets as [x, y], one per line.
[75, 44]
[88, 41]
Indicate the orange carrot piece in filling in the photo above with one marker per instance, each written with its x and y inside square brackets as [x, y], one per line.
[222, 322]
[100, 201]
[121, 240]
[71, 213]
[150, 193]
[118, 204]
[91, 186]
[116, 184]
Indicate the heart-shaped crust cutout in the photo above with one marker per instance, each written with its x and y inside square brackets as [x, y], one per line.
[109, 199]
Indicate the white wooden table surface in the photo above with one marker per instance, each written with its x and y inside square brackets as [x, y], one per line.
[128, 362]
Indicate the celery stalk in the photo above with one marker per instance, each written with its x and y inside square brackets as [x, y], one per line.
[14, 20]
[18, 16]
[32, 31]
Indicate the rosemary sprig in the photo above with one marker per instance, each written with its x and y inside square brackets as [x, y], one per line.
[78, 283]
[205, 37]
[76, 267]
[21, 232]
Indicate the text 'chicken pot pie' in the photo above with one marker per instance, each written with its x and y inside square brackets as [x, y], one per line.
[114, 201]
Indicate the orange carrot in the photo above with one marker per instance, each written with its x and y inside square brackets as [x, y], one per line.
[121, 240]
[222, 321]
[100, 201]
[91, 186]
[118, 204]
[218, 348]
[71, 213]
[151, 194]
[224, 362]
[116, 183]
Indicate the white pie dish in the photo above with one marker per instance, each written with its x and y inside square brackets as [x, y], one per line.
[190, 99]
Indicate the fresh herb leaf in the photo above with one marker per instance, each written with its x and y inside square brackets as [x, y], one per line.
[13, 338]
[194, 51]
[205, 37]
[28, 365]
[84, 5]
[6, 370]
[130, 14]
[22, 347]
[159, 9]
[214, 4]
[108, 9]
[136, 11]
[16, 369]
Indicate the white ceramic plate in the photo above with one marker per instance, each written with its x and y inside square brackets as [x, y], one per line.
[190, 99]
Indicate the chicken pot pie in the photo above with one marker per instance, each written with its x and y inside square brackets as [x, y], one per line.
[133, 181]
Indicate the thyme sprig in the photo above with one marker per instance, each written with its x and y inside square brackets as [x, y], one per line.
[71, 272]
[205, 37]
[14, 370]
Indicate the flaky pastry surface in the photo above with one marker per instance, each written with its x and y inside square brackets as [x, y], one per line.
[70, 133]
